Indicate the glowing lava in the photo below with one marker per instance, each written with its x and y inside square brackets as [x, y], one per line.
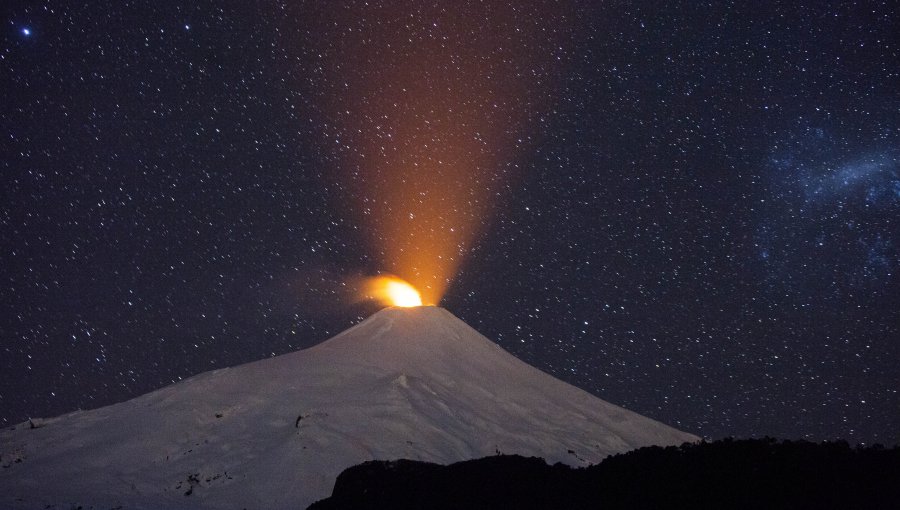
[392, 291]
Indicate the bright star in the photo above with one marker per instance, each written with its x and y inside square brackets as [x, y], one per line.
[26, 31]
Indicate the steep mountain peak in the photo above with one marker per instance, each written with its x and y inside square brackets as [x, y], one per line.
[423, 337]
[430, 323]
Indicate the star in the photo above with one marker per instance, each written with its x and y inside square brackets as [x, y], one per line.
[26, 31]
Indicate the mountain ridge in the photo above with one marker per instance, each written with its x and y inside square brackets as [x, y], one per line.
[412, 383]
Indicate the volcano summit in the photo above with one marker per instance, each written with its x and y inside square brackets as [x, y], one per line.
[413, 383]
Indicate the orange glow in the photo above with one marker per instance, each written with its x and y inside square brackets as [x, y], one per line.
[428, 118]
[392, 291]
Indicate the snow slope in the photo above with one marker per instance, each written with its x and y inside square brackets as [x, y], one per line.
[413, 383]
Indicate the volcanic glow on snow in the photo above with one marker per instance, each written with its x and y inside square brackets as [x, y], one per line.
[393, 291]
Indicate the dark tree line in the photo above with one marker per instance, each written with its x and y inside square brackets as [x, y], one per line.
[726, 474]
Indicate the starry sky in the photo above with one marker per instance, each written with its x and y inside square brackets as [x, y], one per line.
[687, 208]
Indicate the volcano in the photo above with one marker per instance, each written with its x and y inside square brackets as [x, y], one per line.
[414, 383]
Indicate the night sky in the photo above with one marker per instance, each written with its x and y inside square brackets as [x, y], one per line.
[688, 209]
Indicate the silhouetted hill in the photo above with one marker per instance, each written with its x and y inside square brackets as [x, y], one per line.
[726, 474]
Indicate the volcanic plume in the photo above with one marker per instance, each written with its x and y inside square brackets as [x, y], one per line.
[430, 119]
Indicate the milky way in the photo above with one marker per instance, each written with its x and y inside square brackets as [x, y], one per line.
[687, 209]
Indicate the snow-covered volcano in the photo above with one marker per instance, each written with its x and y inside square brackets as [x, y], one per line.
[414, 383]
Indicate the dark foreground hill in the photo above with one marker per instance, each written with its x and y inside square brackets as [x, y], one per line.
[727, 474]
